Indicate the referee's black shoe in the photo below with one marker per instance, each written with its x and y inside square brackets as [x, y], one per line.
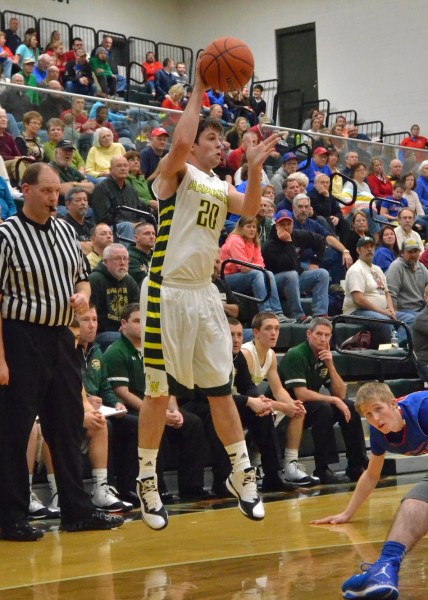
[97, 521]
[20, 532]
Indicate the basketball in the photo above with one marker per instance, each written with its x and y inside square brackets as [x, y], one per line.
[227, 64]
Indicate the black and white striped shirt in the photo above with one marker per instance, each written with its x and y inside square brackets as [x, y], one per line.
[39, 268]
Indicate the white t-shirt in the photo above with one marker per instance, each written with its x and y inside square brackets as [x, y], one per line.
[370, 281]
[402, 236]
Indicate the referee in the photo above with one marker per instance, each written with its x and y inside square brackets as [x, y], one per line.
[42, 282]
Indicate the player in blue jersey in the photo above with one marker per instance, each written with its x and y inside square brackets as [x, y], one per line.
[399, 426]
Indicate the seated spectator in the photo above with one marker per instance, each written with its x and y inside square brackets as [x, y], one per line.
[28, 143]
[76, 44]
[153, 152]
[101, 120]
[28, 49]
[12, 38]
[7, 204]
[413, 202]
[121, 81]
[238, 104]
[353, 133]
[112, 288]
[184, 433]
[140, 255]
[326, 206]
[9, 151]
[149, 69]
[30, 80]
[289, 166]
[302, 180]
[387, 251]
[76, 203]
[313, 139]
[235, 158]
[16, 100]
[420, 339]
[101, 237]
[52, 75]
[58, 58]
[303, 371]
[395, 170]
[290, 189]
[314, 112]
[422, 185]
[102, 151]
[415, 140]
[173, 102]
[405, 231]
[40, 71]
[281, 255]
[180, 74]
[235, 133]
[243, 244]
[407, 278]
[367, 293]
[380, 185]
[337, 258]
[217, 112]
[318, 164]
[55, 129]
[137, 180]
[102, 70]
[55, 37]
[53, 104]
[164, 79]
[264, 223]
[389, 209]
[123, 429]
[70, 177]
[114, 191]
[359, 228]
[78, 78]
[6, 58]
[351, 159]
[257, 103]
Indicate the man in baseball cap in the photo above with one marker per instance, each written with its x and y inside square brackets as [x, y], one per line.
[153, 152]
[317, 165]
[289, 166]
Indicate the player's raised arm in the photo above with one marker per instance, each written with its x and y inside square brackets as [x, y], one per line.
[185, 132]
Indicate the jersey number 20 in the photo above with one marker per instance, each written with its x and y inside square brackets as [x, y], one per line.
[207, 215]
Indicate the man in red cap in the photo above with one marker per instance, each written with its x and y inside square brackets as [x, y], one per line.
[153, 152]
[317, 165]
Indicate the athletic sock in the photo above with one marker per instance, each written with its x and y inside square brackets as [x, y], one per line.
[147, 458]
[393, 550]
[238, 455]
[290, 456]
[30, 480]
[99, 477]
[52, 484]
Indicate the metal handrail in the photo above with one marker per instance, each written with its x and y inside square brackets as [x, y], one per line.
[243, 263]
[136, 211]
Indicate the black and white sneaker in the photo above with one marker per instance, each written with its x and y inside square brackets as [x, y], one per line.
[97, 521]
[294, 473]
[37, 510]
[153, 511]
[243, 485]
[106, 498]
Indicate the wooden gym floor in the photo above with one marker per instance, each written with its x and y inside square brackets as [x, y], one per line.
[210, 551]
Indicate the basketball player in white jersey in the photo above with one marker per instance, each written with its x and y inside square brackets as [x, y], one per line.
[186, 336]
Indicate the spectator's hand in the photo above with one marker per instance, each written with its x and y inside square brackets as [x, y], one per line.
[282, 234]
[83, 80]
[389, 312]
[174, 419]
[334, 220]
[120, 406]
[342, 407]
[95, 401]
[154, 204]
[93, 419]
[312, 267]
[79, 303]
[347, 260]
[326, 356]
[293, 408]
[4, 372]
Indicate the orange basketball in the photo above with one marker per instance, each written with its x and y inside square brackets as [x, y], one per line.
[227, 64]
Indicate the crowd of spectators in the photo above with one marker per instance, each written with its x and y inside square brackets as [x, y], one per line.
[313, 230]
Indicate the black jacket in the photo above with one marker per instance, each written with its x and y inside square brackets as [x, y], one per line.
[282, 256]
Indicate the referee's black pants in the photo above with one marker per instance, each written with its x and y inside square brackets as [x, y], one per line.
[44, 380]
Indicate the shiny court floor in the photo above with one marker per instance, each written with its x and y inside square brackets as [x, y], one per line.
[210, 551]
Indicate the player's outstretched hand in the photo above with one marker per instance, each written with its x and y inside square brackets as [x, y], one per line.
[332, 519]
[257, 155]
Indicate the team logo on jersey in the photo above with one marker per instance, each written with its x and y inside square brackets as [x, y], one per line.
[154, 387]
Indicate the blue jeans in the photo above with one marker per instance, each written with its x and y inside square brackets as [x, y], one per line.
[253, 282]
[75, 87]
[382, 333]
[333, 263]
[290, 285]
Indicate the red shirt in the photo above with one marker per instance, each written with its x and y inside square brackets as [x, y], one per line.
[235, 158]
[379, 188]
[149, 70]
